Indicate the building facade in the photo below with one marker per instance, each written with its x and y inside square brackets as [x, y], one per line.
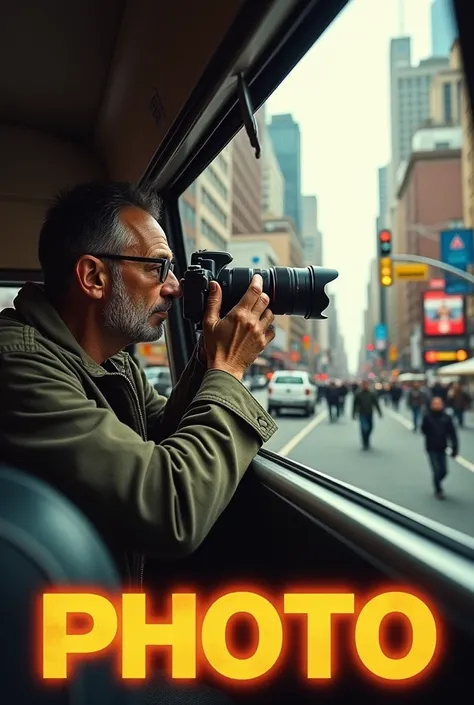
[285, 135]
[273, 182]
[410, 103]
[246, 186]
[429, 199]
[446, 91]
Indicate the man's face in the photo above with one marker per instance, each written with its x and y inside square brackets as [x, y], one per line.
[365, 384]
[437, 404]
[138, 301]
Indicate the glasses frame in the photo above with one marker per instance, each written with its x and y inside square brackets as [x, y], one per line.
[167, 265]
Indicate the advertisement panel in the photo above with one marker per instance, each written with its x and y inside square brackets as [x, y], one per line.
[456, 249]
[443, 314]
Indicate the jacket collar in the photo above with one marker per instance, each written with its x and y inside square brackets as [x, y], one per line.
[37, 311]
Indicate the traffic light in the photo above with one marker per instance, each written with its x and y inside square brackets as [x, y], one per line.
[385, 259]
[306, 342]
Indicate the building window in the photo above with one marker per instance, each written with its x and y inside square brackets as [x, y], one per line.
[447, 102]
[216, 182]
[212, 235]
[188, 214]
[213, 207]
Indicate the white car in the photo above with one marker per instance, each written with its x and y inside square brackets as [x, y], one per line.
[291, 390]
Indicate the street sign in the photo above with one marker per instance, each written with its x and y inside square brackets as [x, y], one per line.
[410, 271]
[437, 283]
[380, 336]
[456, 248]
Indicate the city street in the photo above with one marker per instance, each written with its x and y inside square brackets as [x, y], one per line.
[396, 468]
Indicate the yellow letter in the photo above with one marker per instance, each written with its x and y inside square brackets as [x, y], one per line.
[57, 643]
[368, 642]
[270, 639]
[319, 607]
[180, 635]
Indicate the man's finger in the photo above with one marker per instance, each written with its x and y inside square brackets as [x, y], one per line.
[253, 293]
[214, 302]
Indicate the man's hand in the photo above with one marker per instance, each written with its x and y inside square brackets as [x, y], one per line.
[234, 342]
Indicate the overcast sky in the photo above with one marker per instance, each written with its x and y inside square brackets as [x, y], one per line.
[339, 95]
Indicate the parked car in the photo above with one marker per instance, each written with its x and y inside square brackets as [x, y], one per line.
[160, 378]
[291, 390]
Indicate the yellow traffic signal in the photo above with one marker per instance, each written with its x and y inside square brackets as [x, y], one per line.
[386, 271]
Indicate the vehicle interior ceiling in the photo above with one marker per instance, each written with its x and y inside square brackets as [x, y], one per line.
[148, 92]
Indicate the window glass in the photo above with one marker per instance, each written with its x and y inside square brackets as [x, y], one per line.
[348, 152]
[288, 380]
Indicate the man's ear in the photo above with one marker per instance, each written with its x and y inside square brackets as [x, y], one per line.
[92, 276]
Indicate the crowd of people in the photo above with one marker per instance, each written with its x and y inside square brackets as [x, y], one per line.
[434, 409]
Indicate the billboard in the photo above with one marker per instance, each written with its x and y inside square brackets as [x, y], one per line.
[456, 249]
[443, 314]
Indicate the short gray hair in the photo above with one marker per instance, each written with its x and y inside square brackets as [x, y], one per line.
[86, 220]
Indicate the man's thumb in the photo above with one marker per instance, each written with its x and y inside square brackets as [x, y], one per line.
[214, 301]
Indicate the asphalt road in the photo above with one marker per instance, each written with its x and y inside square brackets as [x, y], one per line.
[396, 468]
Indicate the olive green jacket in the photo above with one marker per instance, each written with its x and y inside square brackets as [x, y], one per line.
[152, 475]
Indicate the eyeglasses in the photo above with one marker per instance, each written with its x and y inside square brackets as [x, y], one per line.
[167, 265]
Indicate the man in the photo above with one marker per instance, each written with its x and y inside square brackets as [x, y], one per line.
[438, 429]
[365, 401]
[333, 401]
[153, 475]
[416, 401]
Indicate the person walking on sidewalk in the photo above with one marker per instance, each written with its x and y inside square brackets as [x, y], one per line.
[416, 401]
[365, 401]
[439, 431]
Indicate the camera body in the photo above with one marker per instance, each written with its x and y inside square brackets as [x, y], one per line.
[292, 290]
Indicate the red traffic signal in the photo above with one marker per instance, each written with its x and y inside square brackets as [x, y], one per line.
[385, 236]
[370, 347]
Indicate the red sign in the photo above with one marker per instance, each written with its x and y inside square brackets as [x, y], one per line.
[437, 283]
[456, 243]
[443, 314]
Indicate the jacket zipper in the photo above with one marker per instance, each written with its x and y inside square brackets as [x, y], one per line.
[138, 567]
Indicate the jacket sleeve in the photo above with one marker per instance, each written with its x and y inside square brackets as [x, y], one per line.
[158, 499]
[163, 415]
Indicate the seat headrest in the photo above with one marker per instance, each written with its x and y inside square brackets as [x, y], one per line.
[45, 543]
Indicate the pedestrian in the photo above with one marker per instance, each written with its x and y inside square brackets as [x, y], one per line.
[332, 399]
[365, 401]
[416, 401]
[460, 401]
[396, 394]
[438, 429]
[343, 392]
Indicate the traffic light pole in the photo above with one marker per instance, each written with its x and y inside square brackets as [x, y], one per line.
[383, 321]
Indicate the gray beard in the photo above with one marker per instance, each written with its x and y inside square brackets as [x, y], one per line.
[129, 319]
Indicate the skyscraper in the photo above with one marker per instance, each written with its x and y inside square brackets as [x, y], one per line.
[410, 88]
[443, 27]
[285, 135]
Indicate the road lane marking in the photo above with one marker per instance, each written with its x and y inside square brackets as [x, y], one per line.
[288, 447]
[397, 416]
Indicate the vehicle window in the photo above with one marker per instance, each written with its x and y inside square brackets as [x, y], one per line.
[371, 168]
[288, 380]
[7, 296]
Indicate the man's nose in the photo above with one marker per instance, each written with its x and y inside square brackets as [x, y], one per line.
[172, 287]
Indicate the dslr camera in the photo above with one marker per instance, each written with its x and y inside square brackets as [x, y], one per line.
[293, 291]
